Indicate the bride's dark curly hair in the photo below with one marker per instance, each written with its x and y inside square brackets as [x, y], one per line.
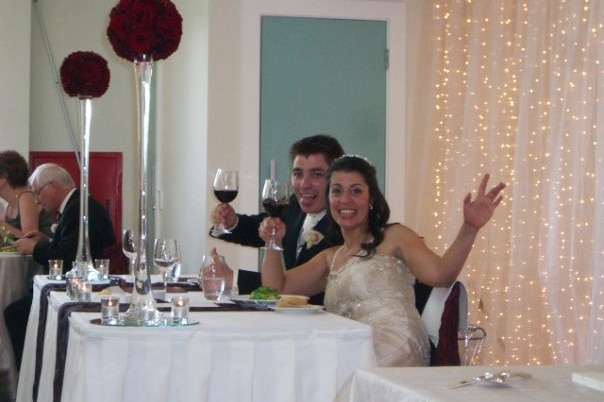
[379, 211]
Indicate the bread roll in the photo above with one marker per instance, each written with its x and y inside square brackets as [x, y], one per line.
[292, 301]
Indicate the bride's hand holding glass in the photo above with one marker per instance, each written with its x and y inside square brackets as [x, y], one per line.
[272, 229]
[275, 200]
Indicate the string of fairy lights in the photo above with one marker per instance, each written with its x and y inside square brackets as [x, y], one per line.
[516, 94]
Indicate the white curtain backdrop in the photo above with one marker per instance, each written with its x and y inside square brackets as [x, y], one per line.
[513, 88]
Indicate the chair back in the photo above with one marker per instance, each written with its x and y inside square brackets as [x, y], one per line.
[444, 315]
[118, 262]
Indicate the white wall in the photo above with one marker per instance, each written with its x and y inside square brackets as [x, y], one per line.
[182, 105]
[15, 33]
[73, 26]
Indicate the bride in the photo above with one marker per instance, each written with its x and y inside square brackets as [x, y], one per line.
[369, 278]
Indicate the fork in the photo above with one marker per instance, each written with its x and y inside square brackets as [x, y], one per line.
[498, 378]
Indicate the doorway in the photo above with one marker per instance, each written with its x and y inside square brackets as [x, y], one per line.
[322, 75]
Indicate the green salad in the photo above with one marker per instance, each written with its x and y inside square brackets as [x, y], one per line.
[264, 293]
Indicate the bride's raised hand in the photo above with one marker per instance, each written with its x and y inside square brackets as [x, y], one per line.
[478, 212]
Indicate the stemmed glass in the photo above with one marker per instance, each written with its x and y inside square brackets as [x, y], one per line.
[129, 249]
[166, 254]
[275, 200]
[226, 187]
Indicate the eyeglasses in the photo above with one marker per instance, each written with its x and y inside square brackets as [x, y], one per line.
[39, 191]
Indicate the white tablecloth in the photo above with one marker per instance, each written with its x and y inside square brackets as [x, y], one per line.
[228, 356]
[548, 383]
[28, 361]
[16, 272]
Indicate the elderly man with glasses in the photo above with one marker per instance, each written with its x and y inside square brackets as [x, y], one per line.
[55, 190]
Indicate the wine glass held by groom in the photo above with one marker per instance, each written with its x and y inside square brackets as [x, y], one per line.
[226, 187]
[310, 158]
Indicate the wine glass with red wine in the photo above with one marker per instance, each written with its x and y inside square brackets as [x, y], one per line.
[226, 187]
[275, 200]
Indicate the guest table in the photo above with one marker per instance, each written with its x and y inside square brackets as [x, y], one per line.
[228, 355]
[16, 272]
[547, 383]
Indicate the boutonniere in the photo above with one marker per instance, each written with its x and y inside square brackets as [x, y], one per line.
[53, 227]
[312, 237]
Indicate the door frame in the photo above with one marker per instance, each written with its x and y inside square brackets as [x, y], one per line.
[394, 14]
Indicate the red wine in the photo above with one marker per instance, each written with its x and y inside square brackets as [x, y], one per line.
[274, 208]
[225, 196]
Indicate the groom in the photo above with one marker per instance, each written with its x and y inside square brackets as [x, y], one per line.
[305, 220]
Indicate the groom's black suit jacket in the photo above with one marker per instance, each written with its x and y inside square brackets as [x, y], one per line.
[246, 233]
[64, 243]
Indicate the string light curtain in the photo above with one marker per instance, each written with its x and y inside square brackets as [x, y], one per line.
[513, 88]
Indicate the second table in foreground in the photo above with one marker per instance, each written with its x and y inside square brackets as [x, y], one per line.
[422, 384]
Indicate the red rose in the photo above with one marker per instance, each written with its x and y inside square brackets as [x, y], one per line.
[85, 74]
[144, 27]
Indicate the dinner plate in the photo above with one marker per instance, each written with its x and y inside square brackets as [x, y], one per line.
[246, 301]
[308, 309]
[10, 253]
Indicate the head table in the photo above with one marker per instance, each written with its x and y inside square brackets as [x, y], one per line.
[228, 356]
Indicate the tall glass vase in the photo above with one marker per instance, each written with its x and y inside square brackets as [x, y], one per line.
[83, 266]
[142, 310]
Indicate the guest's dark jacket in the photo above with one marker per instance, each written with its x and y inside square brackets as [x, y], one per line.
[246, 234]
[64, 243]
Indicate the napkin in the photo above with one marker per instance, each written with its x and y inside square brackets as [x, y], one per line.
[591, 379]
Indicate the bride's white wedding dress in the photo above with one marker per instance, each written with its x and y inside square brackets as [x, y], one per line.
[378, 291]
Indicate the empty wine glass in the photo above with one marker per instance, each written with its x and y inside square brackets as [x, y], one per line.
[275, 200]
[226, 187]
[212, 277]
[166, 254]
[129, 249]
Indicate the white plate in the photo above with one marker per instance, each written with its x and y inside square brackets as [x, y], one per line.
[10, 253]
[246, 301]
[309, 309]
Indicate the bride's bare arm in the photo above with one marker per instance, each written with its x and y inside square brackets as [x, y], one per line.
[442, 271]
[307, 279]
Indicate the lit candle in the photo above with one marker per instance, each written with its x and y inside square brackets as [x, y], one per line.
[102, 265]
[55, 269]
[109, 309]
[84, 291]
[180, 309]
[73, 284]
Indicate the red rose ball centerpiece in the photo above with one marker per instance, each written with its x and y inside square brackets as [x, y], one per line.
[85, 75]
[142, 32]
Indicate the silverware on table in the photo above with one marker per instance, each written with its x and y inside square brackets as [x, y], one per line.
[496, 378]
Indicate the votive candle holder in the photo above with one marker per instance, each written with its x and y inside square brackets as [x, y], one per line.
[102, 265]
[55, 269]
[180, 310]
[84, 291]
[110, 310]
